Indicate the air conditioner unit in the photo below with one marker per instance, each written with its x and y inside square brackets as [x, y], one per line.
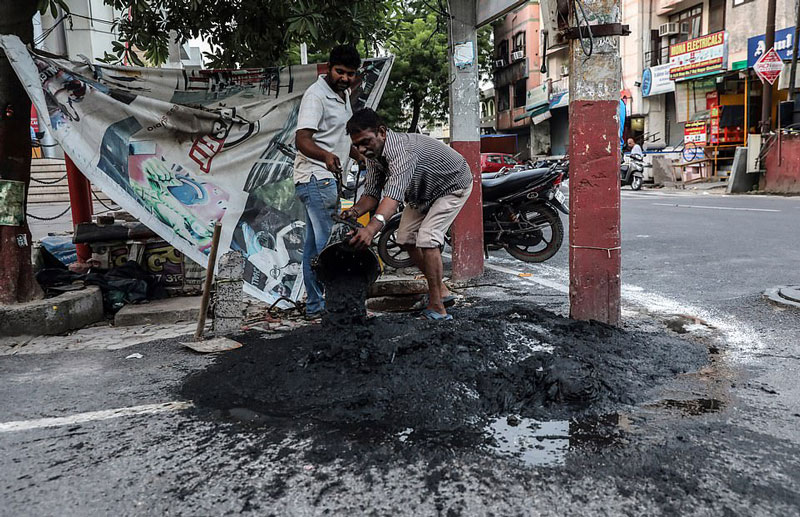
[499, 63]
[668, 29]
[516, 56]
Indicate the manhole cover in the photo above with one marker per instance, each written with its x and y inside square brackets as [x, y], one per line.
[790, 292]
[784, 295]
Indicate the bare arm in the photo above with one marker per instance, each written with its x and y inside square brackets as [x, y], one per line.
[306, 145]
[363, 237]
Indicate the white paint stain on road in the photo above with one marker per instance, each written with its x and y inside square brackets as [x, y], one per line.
[741, 209]
[93, 416]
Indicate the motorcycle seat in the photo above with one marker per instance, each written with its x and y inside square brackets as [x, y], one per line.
[497, 185]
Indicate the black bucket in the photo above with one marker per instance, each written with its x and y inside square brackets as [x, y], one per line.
[341, 259]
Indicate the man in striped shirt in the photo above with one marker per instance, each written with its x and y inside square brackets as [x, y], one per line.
[433, 181]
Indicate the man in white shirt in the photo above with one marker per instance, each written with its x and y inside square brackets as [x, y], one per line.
[323, 147]
[635, 148]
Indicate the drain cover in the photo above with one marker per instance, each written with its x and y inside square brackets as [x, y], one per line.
[784, 295]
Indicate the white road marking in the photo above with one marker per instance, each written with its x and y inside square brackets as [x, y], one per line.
[742, 340]
[719, 207]
[93, 416]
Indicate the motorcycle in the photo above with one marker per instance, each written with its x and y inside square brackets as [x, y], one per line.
[520, 215]
[631, 172]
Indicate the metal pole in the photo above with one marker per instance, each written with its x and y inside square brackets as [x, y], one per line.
[746, 105]
[594, 160]
[212, 261]
[793, 71]
[465, 136]
[80, 200]
[766, 96]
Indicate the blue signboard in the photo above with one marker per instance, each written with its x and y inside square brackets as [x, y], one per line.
[784, 44]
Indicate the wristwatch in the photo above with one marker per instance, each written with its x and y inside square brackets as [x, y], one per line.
[380, 219]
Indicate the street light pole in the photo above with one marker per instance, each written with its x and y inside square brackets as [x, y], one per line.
[595, 81]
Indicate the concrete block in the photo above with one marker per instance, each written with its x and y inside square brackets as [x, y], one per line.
[662, 170]
[740, 181]
[69, 311]
[167, 311]
[397, 286]
[228, 310]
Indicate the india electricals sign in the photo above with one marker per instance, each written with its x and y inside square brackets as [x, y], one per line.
[697, 57]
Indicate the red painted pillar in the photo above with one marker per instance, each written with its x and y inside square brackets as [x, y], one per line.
[80, 200]
[465, 125]
[594, 151]
[468, 226]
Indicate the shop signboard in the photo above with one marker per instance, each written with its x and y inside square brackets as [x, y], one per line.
[655, 81]
[698, 57]
[536, 97]
[695, 132]
[769, 66]
[784, 46]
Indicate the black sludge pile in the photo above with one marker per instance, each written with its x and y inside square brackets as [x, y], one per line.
[396, 372]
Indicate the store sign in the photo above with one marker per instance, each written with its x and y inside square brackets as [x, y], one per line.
[769, 66]
[536, 97]
[695, 132]
[698, 57]
[784, 45]
[655, 81]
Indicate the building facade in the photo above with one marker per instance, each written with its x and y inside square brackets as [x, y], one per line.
[516, 72]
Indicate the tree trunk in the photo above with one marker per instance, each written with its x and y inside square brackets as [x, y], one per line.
[16, 270]
[413, 127]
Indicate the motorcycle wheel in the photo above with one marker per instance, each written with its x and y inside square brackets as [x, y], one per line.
[540, 248]
[636, 183]
[389, 251]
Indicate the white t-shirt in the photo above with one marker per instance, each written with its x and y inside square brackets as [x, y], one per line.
[324, 111]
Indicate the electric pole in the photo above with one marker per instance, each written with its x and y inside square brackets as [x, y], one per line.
[594, 160]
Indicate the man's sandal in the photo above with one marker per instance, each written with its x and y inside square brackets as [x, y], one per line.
[430, 314]
[447, 301]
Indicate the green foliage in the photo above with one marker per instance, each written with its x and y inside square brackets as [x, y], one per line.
[52, 5]
[254, 33]
[418, 89]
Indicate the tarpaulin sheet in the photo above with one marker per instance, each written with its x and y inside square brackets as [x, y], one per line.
[182, 149]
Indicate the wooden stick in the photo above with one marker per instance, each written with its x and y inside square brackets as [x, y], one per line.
[212, 260]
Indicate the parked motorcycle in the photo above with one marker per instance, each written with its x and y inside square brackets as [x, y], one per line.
[631, 172]
[520, 215]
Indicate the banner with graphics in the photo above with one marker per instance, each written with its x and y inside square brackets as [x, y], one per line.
[182, 149]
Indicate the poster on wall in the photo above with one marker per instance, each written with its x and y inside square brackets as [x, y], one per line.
[182, 149]
[698, 57]
[695, 132]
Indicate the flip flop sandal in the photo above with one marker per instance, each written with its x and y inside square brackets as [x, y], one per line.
[447, 301]
[430, 314]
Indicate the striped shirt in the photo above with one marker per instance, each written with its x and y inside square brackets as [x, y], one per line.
[416, 169]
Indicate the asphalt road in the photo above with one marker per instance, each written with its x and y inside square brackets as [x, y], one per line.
[720, 441]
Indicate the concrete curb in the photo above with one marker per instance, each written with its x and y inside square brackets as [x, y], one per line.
[68, 311]
[784, 296]
[159, 312]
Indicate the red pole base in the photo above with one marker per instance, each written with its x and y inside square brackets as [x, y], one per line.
[80, 200]
[594, 221]
[468, 226]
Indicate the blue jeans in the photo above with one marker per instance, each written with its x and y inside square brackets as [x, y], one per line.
[321, 201]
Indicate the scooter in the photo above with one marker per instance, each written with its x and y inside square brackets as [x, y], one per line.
[631, 172]
[520, 215]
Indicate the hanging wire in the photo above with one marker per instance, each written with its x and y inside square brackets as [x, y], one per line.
[101, 202]
[48, 218]
[590, 39]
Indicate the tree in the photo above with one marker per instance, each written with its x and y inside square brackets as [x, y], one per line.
[248, 33]
[16, 270]
[418, 89]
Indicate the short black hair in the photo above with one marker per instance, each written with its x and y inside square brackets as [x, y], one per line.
[345, 55]
[364, 119]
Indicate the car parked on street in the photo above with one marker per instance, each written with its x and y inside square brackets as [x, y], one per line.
[493, 162]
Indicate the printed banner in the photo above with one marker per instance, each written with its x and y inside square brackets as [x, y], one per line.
[698, 57]
[182, 149]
